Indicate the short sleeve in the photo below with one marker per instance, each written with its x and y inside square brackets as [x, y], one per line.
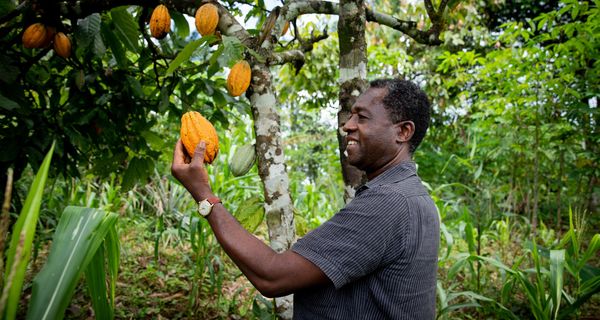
[359, 238]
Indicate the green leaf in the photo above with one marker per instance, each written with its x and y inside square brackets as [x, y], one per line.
[126, 28]
[115, 46]
[7, 104]
[139, 169]
[250, 214]
[79, 234]
[181, 24]
[22, 239]
[87, 29]
[185, 54]
[98, 48]
[95, 277]
[233, 51]
[6, 7]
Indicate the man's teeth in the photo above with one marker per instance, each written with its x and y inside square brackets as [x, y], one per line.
[352, 142]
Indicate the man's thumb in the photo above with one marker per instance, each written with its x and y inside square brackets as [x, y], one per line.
[198, 157]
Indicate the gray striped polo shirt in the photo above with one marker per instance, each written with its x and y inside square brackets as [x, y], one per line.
[380, 253]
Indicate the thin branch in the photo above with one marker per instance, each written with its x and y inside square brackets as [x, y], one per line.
[155, 53]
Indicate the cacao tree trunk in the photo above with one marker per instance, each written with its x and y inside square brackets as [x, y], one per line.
[353, 74]
[272, 171]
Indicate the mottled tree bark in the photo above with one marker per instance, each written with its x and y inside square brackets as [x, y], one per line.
[272, 170]
[353, 74]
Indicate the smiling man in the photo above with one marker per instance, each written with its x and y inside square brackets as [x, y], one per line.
[377, 257]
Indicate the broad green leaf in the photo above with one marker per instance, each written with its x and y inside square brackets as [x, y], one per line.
[98, 47]
[22, 239]
[6, 7]
[126, 28]
[7, 104]
[233, 51]
[87, 29]
[181, 24]
[250, 214]
[185, 54]
[139, 169]
[78, 236]
[115, 46]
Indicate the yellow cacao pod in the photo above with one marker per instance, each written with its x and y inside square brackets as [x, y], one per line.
[36, 36]
[160, 22]
[242, 160]
[196, 128]
[62, 45]
[207, 19]
[239, 78]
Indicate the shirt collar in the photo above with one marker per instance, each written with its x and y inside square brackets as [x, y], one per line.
[397, 173]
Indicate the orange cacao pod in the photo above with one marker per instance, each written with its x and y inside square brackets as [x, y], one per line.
[160, 22]
[196, 128]
[62, 45]
[207, 19]
[35, 36]
[239, 78]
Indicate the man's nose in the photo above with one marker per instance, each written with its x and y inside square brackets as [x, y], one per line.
[350, 124]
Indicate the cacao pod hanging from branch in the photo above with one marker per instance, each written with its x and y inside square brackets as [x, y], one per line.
[239, 78]
[207, 19]
[160, 22]
[37, 35]
[62, 45]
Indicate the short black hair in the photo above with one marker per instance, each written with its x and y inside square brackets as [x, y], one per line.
[405, 101]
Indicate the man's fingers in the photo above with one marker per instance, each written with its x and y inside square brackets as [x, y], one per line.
[198, 157]
[178, 154]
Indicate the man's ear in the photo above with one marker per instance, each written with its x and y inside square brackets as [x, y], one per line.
[404, 131]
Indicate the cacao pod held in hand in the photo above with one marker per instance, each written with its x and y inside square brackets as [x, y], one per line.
[196, 128]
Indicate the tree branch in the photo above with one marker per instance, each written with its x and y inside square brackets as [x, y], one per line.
[294, 9]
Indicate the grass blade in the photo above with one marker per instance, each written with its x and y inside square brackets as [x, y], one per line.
[79, 234]
[557, 264]
[21, 242]
[95, 277]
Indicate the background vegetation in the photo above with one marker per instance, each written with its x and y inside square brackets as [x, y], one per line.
[511, 157]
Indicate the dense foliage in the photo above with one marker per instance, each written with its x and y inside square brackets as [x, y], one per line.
[511, 158]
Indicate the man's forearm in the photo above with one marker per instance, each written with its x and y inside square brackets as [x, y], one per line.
[250, 254]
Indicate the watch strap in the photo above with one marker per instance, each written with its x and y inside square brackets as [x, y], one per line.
[213, 200]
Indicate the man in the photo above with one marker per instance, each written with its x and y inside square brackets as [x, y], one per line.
[377, 257]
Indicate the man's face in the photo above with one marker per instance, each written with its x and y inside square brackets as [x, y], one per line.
[371, 142]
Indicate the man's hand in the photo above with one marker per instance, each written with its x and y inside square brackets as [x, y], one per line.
[192, 173]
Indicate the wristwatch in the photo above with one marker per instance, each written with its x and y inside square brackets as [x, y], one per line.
[205, 206]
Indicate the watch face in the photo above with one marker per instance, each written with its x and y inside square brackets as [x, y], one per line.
[204, 208]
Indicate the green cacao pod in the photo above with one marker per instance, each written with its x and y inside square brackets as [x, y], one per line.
[242, 160]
